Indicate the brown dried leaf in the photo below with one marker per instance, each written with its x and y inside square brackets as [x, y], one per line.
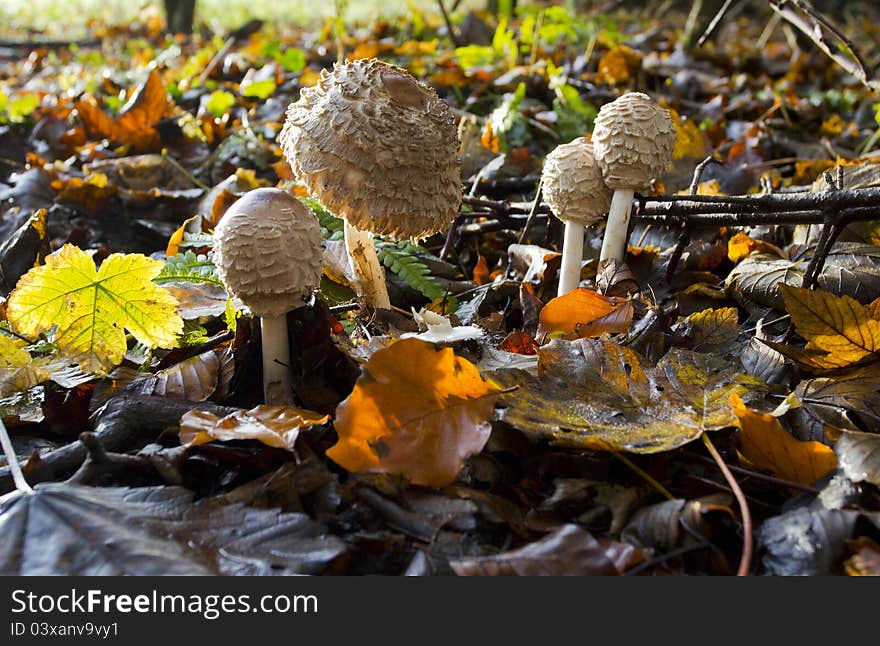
[276, 426]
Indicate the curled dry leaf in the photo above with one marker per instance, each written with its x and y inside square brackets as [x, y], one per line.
[859, 455]
[568, 551]
[276, 426]
[416, 410]
[593, 393]
[766, 445]
[194, 379]
[583, 313]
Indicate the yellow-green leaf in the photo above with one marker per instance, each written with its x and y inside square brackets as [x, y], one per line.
[93, 307]
[837, 325]
[17, 370]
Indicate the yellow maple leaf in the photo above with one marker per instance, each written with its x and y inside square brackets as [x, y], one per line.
[93, 307]
[837, 325]
[766, 445]
[17, 369]
[417, 410]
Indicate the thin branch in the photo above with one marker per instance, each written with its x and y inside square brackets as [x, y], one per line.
[713, 25]
[746, 556]
[452, 35]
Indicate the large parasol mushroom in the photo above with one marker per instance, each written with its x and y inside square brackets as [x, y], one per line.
[379, 149]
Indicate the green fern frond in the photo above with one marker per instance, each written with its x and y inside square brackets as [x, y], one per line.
[401, 258]
[331, 226]
[190, 267]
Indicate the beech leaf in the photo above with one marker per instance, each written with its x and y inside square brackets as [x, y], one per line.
[276, 426]
[417, 410]
[92, 308]
[766, 445]
[583, 313]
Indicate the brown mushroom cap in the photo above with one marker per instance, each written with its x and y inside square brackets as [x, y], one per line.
[376, 147]
[633, 138]
[268, 249]
[572, 183]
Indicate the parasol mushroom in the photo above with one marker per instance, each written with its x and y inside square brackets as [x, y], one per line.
[574, 191]
[633, 139]
[379, 149]
[267, 249]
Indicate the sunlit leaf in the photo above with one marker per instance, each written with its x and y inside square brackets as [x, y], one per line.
[259, 89]
[592, 393]
[584, 313]
[276, 426]
[766, 445]
[416, 410]
[92, 308]
[219, 102]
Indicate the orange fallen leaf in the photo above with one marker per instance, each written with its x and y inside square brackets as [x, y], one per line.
[481, 271]
[584, 313]
[519, 342]
[741, 245]
[276, 426]
[766, 445]
[134, 124]
[618, 65]
[416, 410]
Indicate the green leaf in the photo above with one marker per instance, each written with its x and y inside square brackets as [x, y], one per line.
[293, 59]
[93, 308]
[219, 102]
[259, 89]
[21, 107]
[402, 259]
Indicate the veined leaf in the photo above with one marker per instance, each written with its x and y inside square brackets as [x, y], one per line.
[92, 307]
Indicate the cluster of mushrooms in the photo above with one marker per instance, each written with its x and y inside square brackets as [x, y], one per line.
[379, 149]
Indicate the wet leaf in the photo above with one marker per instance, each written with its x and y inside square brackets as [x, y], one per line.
[67, 529]
[849, 401]
[809, 542]
[859, 455]
[568, 551]
[276, 426]
[713, 331]
[417, 410]
[598, 395]
[584, 313]
[194, 379]
[92, 308]
[765, 444]
[758, 277]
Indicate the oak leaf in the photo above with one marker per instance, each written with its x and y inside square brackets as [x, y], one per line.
[765, 444]
[93, 307]
[584, 313]
[416, 410]
[276, 426]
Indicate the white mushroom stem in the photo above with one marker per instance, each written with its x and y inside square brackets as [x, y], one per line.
[277, 383]
[617, 228]
[12, 461]
[572, 256]
[366, 267]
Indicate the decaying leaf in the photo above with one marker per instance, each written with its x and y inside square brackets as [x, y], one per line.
[712, 331]
[584, 313]
[765, 444]
[568, 551]
[276, 426]
[848, 401]
[416, 410]
[194, 379]
[93, 308]
[67, 529]
[592, 393]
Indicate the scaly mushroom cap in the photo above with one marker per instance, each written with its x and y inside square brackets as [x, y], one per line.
[633, 139]
[376, 147]
[268, 249]
[572, 183]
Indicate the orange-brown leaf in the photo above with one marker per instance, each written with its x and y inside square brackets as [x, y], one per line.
[481, 271]
[741, 245]
[584, 313]
[519, 342]
[766, 445]
[276, 426]
[134, 125]
[416, 410]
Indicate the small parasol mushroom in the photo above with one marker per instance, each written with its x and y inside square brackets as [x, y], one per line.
[379, 149]
[633, 138]
[268, 248]
[574, 190]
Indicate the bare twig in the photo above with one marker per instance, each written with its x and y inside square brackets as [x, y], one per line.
[452, 35]
[215, 60]
[746, 556]
[713, 25]
[814, 25]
